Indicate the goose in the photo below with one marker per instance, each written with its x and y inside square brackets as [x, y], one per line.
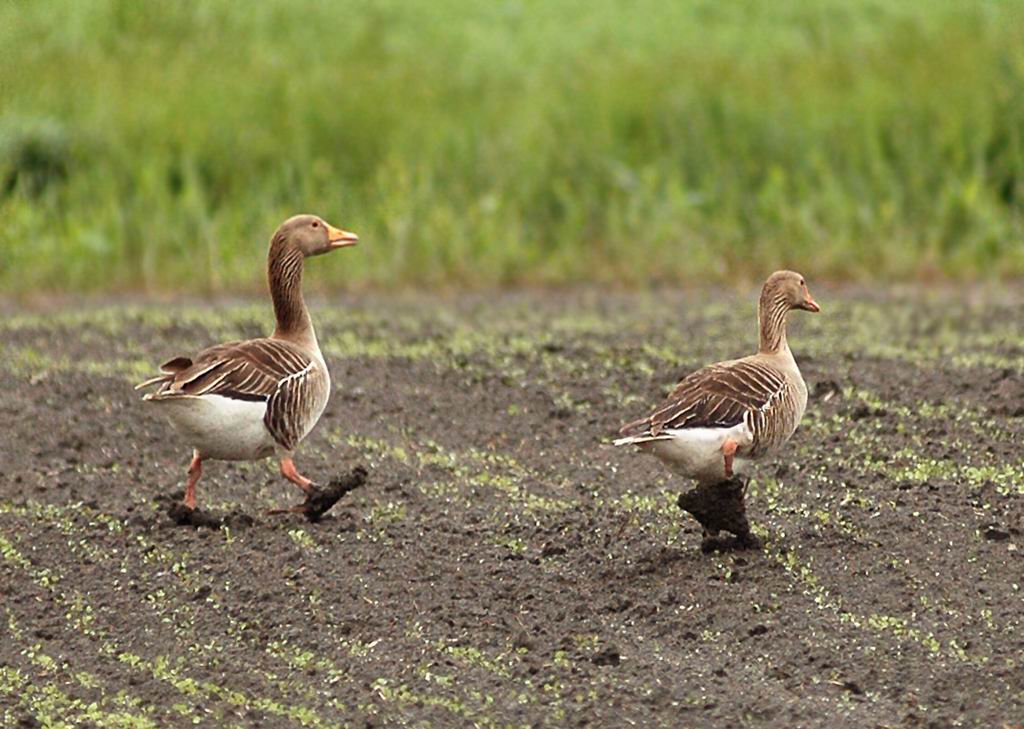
[720, 418]
[252, 399]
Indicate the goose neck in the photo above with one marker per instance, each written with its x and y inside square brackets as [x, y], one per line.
[284, 274]
[772, 313]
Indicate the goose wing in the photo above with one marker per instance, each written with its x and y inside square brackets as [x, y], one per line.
[273, 371]
[718, 396]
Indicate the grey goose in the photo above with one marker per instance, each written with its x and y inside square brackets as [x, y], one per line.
[719, 418]
[256, 398]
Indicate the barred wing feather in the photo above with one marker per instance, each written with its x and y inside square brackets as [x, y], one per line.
[269, 370]
[718, 396]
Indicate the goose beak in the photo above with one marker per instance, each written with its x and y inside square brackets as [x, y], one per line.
[340, 238]
[810, 304]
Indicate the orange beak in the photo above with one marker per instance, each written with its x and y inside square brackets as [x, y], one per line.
[340, 238]
[810, 305]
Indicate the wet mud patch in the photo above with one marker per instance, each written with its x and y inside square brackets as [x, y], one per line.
[503, 564]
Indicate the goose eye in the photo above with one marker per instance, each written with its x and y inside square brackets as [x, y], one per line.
[315, 224]
[802, 283]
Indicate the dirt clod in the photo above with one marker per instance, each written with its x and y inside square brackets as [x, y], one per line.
[720, 507]
[607, 656]
[320, 500]
[862, 411]
[181, 515]
[996, 534]
[552, 550]
[853, 687]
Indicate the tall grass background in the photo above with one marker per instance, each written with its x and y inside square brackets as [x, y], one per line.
[155, 146]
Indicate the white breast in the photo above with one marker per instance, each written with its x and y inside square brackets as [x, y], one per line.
[697, 452]
[221, 428]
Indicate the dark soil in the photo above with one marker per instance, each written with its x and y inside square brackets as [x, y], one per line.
[503, 564]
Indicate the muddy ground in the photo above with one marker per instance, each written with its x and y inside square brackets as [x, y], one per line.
[503, 565]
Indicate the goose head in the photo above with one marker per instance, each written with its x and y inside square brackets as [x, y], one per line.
[788, 290]
[313, 236]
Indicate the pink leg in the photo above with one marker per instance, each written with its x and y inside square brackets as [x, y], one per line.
[728, 450]
[195, 470]
[289, 471]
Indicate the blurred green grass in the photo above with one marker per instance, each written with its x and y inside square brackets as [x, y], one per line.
[156, 145]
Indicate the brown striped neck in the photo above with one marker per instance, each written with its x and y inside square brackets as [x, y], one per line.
[284, 274]
[771, 313]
